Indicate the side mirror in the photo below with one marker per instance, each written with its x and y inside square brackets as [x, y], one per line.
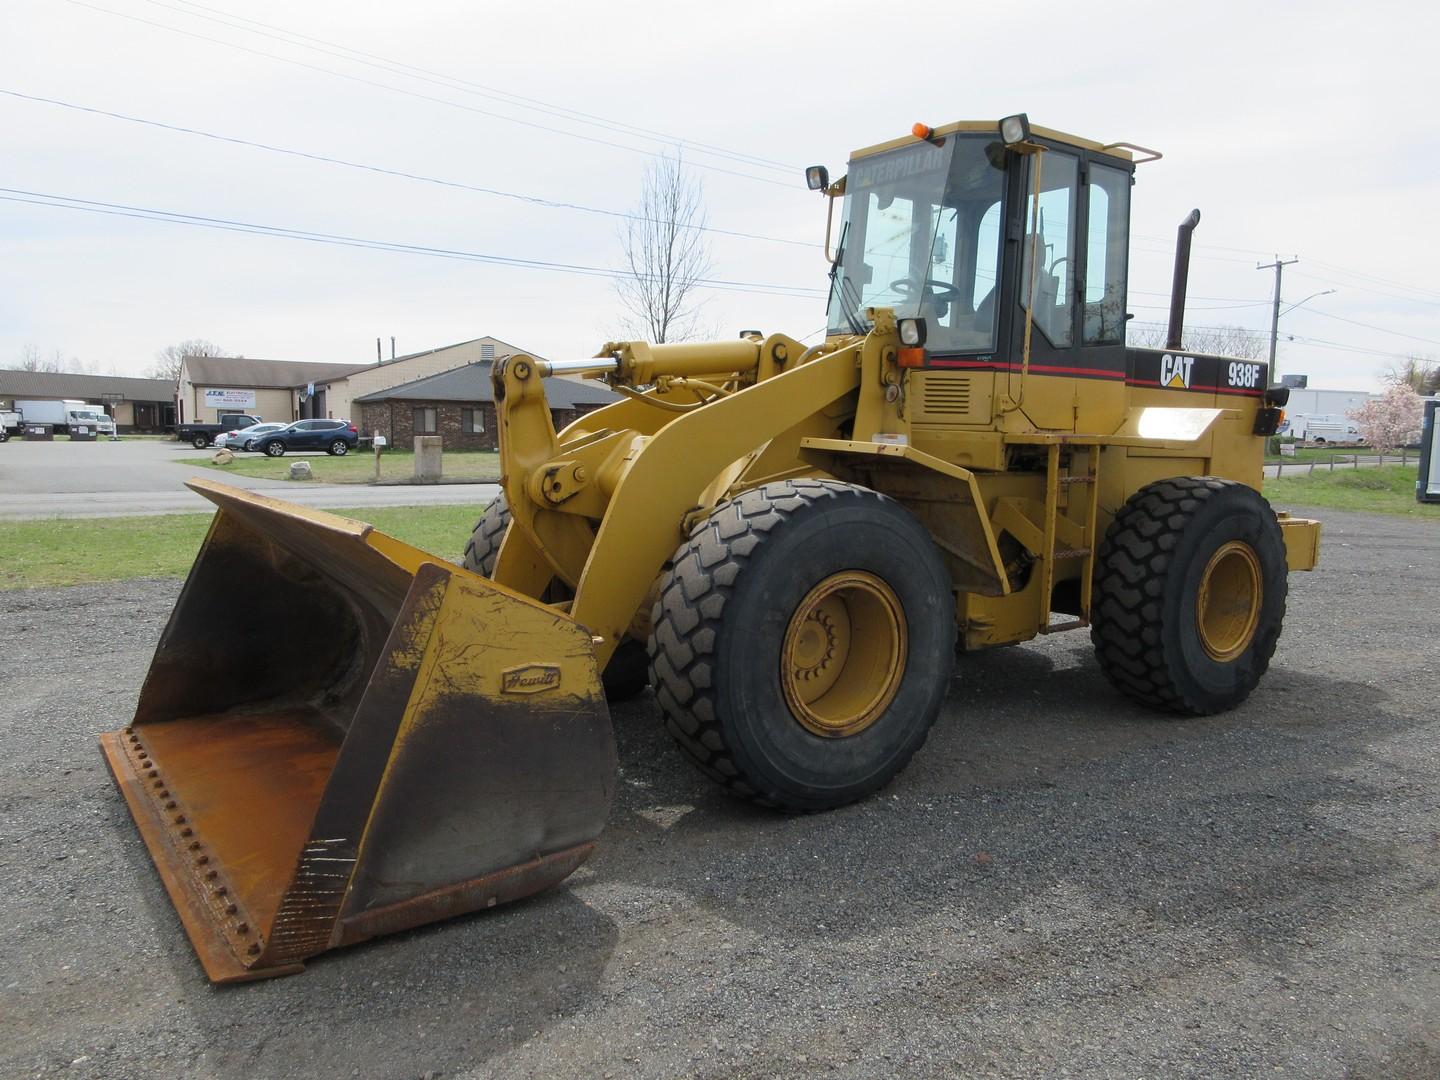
[817, 177]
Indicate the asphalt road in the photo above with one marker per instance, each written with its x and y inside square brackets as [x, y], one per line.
[1060, 884]
[143, 476]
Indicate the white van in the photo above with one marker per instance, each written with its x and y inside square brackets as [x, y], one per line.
[1325, 428]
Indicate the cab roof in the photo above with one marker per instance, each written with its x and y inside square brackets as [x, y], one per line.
[1119, 150]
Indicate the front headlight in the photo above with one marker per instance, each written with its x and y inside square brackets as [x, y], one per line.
[912, 332]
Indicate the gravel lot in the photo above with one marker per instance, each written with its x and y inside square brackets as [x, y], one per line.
[1060, 884]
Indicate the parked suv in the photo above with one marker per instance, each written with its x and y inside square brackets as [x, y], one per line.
[337, 437]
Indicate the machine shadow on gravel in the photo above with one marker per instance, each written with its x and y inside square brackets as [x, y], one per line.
[1058, 788]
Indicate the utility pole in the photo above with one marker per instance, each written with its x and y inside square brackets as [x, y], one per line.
[1277, 266]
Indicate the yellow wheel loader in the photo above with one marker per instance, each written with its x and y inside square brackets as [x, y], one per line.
[789, 543]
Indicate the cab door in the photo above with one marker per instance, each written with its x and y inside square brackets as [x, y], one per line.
[1067, 265]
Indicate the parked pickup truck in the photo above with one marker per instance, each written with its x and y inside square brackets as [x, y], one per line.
[202, 435]
[9, 424]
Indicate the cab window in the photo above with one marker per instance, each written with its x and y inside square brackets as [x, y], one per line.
[1106, 247]
[1049, 242]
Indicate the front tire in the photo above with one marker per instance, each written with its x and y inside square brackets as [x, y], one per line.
[275, 449]
[1190, 594]
[803, 643]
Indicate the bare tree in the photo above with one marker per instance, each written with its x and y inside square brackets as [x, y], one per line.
[1420, 372]
[32, 360]
[1233, 341]
[168, 360]
[665, 255]
[29, 358]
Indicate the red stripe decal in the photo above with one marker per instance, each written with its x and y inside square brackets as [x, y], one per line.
[1035, 369]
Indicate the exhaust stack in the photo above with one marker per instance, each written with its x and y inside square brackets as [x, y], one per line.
[1182, 278]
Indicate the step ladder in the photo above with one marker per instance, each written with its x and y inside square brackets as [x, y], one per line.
[1051, 555]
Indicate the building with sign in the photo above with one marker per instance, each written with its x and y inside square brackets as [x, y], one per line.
[285, 390]
[274, 389]
[137, 405]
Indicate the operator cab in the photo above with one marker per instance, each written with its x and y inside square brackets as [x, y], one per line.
[944, 226]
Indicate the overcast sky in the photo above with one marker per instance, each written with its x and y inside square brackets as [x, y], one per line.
[1300, 129]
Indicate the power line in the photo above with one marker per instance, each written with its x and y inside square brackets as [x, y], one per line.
[1318, 343]
[479, 89]
[66, 202]
[1372, 277]
[1364, 288]
[1208, 307]
[1372, 326]
[1424, 299]
[533, 199]
[414, 93]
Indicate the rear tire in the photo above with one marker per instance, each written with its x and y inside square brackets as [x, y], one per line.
[1190, 594]
[803, 643]
[339, 448]
[627, 673]
[486, 537]
[200, 442]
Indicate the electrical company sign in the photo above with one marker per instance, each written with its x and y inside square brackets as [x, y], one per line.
[230, 399]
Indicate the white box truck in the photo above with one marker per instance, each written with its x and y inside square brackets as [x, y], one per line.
[103, 423]
[61, 413]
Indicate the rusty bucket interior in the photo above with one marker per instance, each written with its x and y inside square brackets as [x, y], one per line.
[341, 736]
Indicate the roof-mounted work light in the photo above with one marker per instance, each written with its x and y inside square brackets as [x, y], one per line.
[1015, 129]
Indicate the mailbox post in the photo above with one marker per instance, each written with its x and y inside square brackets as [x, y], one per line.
[380, 443]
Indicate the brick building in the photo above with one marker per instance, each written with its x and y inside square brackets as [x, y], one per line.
[459, 406]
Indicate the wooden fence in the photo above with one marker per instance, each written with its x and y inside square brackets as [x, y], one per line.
[1353, 460]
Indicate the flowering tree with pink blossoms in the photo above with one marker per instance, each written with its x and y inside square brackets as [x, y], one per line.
[1392, 420]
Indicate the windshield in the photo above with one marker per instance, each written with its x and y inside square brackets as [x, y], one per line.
[922, 235]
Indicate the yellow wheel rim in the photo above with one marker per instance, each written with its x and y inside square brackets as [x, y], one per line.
[1227, 610]
[844, 654]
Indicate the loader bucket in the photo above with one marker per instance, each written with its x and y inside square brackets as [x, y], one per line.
[341, 736]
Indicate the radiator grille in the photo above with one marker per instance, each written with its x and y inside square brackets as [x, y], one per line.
[945, 394]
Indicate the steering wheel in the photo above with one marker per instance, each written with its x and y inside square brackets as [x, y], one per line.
[941, 292]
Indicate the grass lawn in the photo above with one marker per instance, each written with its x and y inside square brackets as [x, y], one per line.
[72, 551]
[396, 466]
[1383, 489]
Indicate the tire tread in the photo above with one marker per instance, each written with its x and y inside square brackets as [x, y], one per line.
[696, 586]
[1130, 578]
